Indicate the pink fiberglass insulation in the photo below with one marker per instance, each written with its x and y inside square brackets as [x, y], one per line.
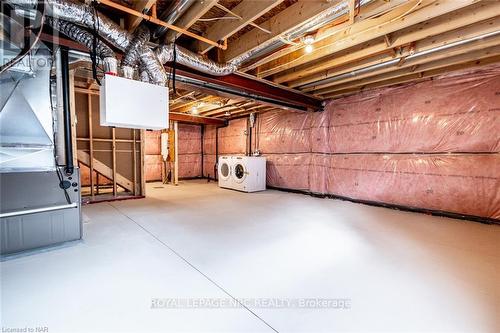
[209, 152]
[189, 154]
[85, 177]
[232, 141]
[432, 145]
[153, 164]
[153, 167]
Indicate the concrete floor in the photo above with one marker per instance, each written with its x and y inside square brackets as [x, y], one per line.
[400, 271]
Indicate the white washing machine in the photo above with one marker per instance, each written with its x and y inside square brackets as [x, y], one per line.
[248, 173]
[225, 166]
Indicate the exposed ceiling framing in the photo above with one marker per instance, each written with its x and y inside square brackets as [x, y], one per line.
[382, 43]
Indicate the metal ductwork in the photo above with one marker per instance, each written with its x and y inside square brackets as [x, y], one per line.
[131, 57]
[84, 37]
[314, 24]
[79, 13]
[169, 52]
[153, 67]
[171, 14]
[152, 62]
[395, 61]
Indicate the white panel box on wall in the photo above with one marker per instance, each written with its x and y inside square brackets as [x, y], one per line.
[133, 104]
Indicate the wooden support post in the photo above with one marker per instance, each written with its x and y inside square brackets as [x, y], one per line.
[176, 153]
[73, 114]
[134, 160]
[114, 161]
[143, 179]
[91, 145]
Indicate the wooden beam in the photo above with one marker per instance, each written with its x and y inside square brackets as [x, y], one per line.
[352, 10]
[320, 69]
[187, 106]
[279, 24]
[141, 6]
[261, 108]
[248, 11]
[160, 22]
[425, 70]
[418, 76]
[239, 110]
[91, 144]
[104, 170]
[230, 105]
[471, 32]
[187, 118]
[194, 13]
[222, 111]
[364, 31]
[373, 9]
[176, 153]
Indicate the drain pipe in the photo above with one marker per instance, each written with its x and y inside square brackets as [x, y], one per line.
[68, 144]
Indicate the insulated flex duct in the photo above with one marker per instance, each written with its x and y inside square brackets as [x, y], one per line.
[187, 58]
[84, 37]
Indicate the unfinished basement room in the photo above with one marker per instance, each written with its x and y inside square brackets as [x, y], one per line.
[240, 166]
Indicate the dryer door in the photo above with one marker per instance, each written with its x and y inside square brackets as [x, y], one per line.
[224, 170]
[240, 172]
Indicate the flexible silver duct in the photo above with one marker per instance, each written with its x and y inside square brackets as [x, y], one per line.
[131, 57]
[81, 14]
[84, 37]
[153, 66]
[187, 58]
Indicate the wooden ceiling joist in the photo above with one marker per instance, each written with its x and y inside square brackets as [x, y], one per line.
[432, 65]
[443, 43]
[416, 76]
[193, 14]
[187, 118]
[367, 30]
[279, 24]
[248, 11]
[142, 6]
[322, 68]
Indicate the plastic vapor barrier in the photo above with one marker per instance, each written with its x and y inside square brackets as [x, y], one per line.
[189, 151]
[232, 141]
[153, 163]
[189, 154]
[432, 145]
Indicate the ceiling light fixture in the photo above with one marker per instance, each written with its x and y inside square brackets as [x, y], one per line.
[194, 110]
[308, 41]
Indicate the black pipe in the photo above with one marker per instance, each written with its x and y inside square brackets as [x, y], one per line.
[68, 142]
[249, 136]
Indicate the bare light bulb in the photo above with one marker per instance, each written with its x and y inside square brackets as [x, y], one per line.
[194, 110]
[309, 48]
